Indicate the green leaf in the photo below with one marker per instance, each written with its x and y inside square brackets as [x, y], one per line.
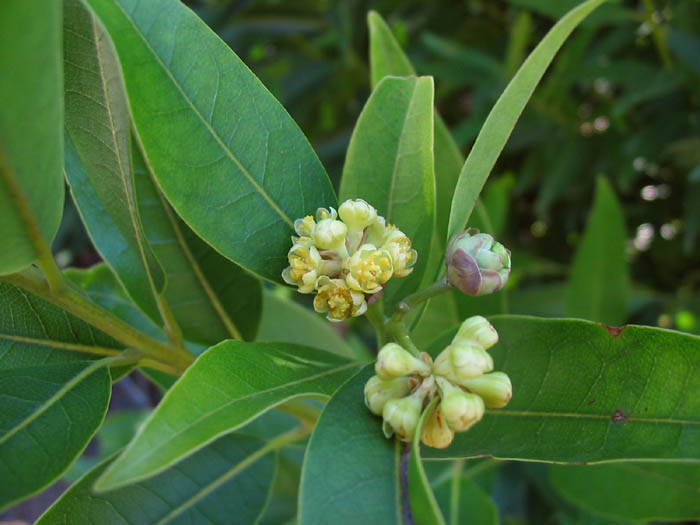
[223, 150]
[34, 332]
[228, 385]
[230, 477]
[582, 392]
[284, 321]
[98, 160]
[462, 499]
[348, 442]
[388, 59]
[502, 118]
[390, 165]
[49, 413]
[210, 297]
[632, 491]
[424, 506]
[597, 288]
[31, 143]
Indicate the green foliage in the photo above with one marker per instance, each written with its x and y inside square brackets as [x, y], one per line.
[188, 174]
[390, 165]
[31, 144]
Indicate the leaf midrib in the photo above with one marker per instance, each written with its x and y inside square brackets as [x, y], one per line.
[574, 415]
[206, 124]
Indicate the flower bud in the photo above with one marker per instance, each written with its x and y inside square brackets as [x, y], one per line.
[494, 388]
[369, 269]
[460, 409]
[401, 415]
[462, 361]
[378, 391]
[329, 234]
[469, 360]
[357, 214]
[394, 361]
[436, 433]
[477, 330]
[334, 296]
[476, 263]
[325, 213]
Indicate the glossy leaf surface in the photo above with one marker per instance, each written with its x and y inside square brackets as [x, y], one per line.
[212, 486]
[224, 151]
[348, 439]
[390, 165]
[225, 388]
[582, 392]
[31, 136]
[461, 499]
[632, 491]
[505, 113]
[599, 277]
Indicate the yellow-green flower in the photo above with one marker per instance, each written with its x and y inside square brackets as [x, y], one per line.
[305, 226]
[368, 269]
[357, 214]
[329, 234]
[398, 245]
[335, 297]
[304, 264]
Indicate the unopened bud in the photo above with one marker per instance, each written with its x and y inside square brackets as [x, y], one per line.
[329, 234]
[476, 263]
[494, 388]
[463, 361]
[357, 214]
[395, 361]
[436, 433]
[478, 330]
[378, 391]
[460, 409]
[401, 415]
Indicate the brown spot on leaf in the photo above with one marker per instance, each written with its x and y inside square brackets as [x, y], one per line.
[613, 330]
[619, 416]
[577, 462]
[591, 401]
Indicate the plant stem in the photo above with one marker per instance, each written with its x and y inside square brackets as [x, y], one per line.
[73, 301]
[400, 331]
[42, 249]
[657, 34]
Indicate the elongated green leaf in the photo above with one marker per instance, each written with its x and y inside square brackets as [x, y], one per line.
[284, 321]
[462, 500]
[504, 115]
[348, 442]
[31, 143]
[632, 491]
[210, 297]
[424, 506]
[582, 392]
[598, 283]
[388, 59]
[228, 478]
[390, 165]
[227, 386]
[48, 415]
[98, 160]
[225, 153]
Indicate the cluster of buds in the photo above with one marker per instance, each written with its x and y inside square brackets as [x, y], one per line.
[346, 257]
[461, 376]
[476, 263]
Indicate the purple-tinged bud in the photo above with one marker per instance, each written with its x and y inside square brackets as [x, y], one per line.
[476, 263]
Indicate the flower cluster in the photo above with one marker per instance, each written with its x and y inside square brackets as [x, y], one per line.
[461, 376]
[344, 260]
